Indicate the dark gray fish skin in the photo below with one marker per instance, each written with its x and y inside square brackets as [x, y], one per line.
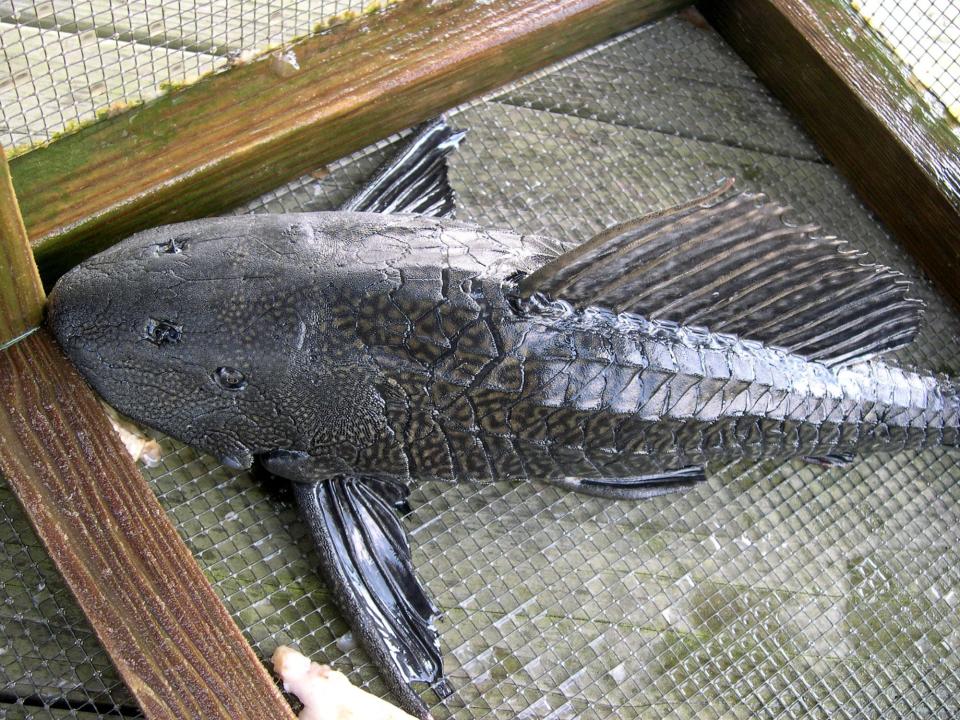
[358, 353]
[395, 346]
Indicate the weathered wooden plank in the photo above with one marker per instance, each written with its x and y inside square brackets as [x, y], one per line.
[900, 152]
[21, 295]
[233, 136]
[168, 634]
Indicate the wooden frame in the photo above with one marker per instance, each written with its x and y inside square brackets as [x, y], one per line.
[21, 295]
[901, 154]
[205, 148]
[231, 137]
[165, 629]
[195, 152]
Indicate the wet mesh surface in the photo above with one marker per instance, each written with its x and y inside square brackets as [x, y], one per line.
[773, 590]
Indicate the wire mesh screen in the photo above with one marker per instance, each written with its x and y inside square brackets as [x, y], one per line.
[63, 62]
[925, 35]
[774, 590]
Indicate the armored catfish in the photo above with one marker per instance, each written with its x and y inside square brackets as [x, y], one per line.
[358, 352]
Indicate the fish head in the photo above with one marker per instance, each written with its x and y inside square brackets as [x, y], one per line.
[185, 329]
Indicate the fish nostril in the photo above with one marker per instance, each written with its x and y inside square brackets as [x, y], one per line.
[161, 332]
[172, 246]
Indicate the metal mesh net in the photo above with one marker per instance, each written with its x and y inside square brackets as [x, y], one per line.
[925, 36]
[63, 62]
[774, 590]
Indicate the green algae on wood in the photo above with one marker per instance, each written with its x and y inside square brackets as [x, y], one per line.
[21, 295]
[233, 136]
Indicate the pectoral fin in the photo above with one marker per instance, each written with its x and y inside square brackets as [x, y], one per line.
[365, 557]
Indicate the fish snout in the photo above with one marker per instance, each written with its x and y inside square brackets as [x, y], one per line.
[71, 308]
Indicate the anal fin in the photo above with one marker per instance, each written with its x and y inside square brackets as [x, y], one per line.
[640, 487]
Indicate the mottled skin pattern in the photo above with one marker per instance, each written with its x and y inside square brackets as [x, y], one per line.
[357, 353]
[393, 346]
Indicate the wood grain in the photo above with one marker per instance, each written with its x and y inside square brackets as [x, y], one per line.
[21, 294]
[899, 152]
[170, 637]
[233, 136]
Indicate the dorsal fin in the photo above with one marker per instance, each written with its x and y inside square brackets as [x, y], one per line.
[736, 267]
[415, 179]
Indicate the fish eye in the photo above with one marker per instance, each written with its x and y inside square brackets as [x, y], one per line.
[229, 378]
[161, 332]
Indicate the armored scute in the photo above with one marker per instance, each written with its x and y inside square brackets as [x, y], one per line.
[357, 352]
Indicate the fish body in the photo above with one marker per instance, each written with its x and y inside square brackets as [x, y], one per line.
[400, 346]
[357, 353]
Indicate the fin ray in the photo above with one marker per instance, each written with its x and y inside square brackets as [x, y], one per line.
[366, 559]
[736, 266]
[415, 180]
